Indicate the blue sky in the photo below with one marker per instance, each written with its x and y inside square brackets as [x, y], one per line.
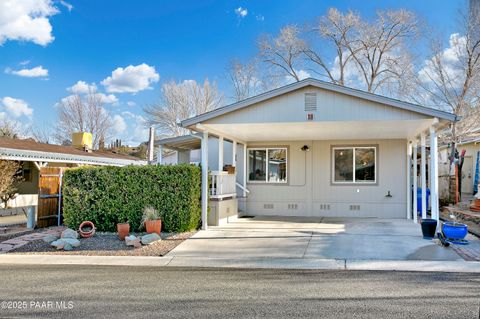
[181, 40]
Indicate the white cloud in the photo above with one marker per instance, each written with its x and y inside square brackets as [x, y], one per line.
[82, 87]
[16, 107]
[131, 103]
[66, 5]
[26, 20]
[119, 124]
[35, 72]
[107, 99]
[260, 17]
[137, 130]
[302, 74]
[241, 12]
[450, 58]
[24, 62]
[131, 79]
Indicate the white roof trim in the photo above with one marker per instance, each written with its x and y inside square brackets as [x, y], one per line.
[25, 155]
[322, 85]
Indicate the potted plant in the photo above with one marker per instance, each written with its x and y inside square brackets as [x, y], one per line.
[123, 230]
[151, 220]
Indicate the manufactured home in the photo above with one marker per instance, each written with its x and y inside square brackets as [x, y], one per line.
[313, 148]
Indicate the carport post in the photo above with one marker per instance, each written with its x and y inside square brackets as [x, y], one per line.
[234, 154]
[434, 174]
[204, 179]
[415, 181]
[245, 158]
[220, 154]
[423, 172]
[409, 180]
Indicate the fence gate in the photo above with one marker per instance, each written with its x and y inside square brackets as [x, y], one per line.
[49, 196]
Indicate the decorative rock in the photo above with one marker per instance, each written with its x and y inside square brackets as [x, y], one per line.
[150, 238]
[132, 241]
[67, 247]
[71, 241]
[50, 238]
[69, 233]
[65, 242]
[59, 244]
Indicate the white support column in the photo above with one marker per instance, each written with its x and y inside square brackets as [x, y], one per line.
[159, 155]
[245, 159]
[204, 180]
[234, 154]
[415, 181]
[409, 180]
[220, 154]
[434, 174]
[423, 172]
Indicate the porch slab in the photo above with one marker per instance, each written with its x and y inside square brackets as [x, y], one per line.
[314, 238]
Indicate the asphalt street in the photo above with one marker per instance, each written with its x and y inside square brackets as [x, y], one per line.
[144, 292]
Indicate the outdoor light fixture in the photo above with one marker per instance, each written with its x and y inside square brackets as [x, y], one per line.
[305, 148]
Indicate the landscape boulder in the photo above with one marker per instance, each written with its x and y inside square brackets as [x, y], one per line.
[49, 238]
[69, 243]
[133, 241]
[150, 238]
[69, 233]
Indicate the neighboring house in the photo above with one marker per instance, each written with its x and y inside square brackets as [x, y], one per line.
[34, 156]
[472, 147]
[313, 148]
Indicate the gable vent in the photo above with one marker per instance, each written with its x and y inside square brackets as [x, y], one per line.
[310, 102]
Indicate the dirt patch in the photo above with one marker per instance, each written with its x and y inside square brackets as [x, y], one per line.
[108, 244]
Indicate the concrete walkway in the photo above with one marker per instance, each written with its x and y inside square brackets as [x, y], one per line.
[315, 238]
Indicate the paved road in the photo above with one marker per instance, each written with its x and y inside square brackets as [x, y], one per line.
[141, 292]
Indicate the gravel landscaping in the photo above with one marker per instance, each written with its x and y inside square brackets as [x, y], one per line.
[108, 244]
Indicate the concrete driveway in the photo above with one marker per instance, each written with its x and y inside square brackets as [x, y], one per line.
[315, 238]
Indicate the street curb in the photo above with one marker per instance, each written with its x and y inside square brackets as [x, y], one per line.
[84, 260]
[252, 263]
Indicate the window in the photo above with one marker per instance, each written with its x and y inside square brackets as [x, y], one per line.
[267, 165]
[354, 165]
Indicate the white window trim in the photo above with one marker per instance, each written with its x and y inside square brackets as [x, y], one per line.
[266, 168]
[353, 148]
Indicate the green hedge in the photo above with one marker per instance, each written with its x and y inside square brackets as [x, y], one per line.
[110, 195]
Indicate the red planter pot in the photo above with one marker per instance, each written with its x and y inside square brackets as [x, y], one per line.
[86, 229]
[153, 226]
[123, 230]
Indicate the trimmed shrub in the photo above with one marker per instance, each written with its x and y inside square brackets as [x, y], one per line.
[110, 195]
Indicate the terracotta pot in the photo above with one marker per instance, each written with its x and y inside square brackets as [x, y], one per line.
[86, 229]
[153, 226]
[123, 230]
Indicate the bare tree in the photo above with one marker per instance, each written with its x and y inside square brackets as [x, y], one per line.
[381, 49]
[180, 101]
[10, 129]
[450, 79]
[42, 134]
[83, 114]
[244, 79]
[336, 30]
[284, 52]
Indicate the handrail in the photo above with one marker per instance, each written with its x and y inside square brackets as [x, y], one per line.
[241, 187]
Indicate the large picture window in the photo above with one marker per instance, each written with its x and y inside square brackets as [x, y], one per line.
[354, 165]
[268, 165]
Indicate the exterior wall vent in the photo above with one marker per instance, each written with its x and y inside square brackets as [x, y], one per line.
[292, 206]
[310, 102]
[267, 206]
[354, 207]
[324, 206]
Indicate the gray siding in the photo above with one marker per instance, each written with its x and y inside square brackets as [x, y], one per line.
[309, 184]
[331, 106]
